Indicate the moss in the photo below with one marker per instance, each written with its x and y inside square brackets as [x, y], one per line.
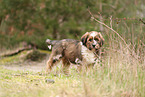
[35, 55]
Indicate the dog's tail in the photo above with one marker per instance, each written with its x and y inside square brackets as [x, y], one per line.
[50, 43]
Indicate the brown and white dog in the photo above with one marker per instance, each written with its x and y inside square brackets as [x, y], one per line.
[84, 52]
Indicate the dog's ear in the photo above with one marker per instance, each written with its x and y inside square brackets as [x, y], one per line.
[102, 39]
[84, 38]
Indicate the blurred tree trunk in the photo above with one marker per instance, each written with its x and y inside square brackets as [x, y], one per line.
[55, 32]
[0, 21]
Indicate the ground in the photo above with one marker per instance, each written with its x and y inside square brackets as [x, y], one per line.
[25, 78]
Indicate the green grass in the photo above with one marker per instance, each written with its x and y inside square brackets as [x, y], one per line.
[120, 74]
[18, 58]
[12, 59]
[111, 80]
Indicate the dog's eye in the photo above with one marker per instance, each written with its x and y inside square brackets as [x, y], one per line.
[96, 39]
[90, 39]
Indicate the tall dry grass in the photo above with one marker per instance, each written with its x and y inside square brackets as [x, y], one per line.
[121, 73]
[122, 70]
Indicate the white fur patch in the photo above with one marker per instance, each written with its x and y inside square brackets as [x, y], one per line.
[49, 47]
[93, 34]
[94, 42]
[88, 56]
[57, 57]
[48, 40]
[78, 61]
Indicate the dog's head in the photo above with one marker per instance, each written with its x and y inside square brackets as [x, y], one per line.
[92, 40]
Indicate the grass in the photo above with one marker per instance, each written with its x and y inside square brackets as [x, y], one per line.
[120, 75]
[19, 58]
[9, 60]
[101, 83]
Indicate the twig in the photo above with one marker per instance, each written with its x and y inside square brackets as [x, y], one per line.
[107, 27]
[142, 21]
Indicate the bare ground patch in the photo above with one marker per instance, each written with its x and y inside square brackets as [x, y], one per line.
[18, 62]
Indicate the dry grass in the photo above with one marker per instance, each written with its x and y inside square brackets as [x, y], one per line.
[120, 74]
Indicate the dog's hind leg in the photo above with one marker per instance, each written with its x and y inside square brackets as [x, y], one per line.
[65, 65]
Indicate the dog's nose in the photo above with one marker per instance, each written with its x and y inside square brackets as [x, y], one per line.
[93, 45]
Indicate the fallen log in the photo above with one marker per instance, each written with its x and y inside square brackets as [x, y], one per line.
[15, 52]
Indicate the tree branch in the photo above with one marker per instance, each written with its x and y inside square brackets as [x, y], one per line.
[92, 16]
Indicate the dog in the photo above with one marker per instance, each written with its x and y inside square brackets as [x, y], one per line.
[84, 52]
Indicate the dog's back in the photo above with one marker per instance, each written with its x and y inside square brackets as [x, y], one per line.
[68, 48]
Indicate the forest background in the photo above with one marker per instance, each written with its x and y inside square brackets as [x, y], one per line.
[33, 21]
[119, 71]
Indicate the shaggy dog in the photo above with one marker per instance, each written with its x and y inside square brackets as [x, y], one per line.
[84, 52]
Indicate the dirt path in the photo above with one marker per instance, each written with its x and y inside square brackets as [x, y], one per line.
[31, 66]
[35, 66]
[17, 63]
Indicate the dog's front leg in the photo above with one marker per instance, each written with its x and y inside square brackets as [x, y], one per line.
[79, 68]
[49, 65]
